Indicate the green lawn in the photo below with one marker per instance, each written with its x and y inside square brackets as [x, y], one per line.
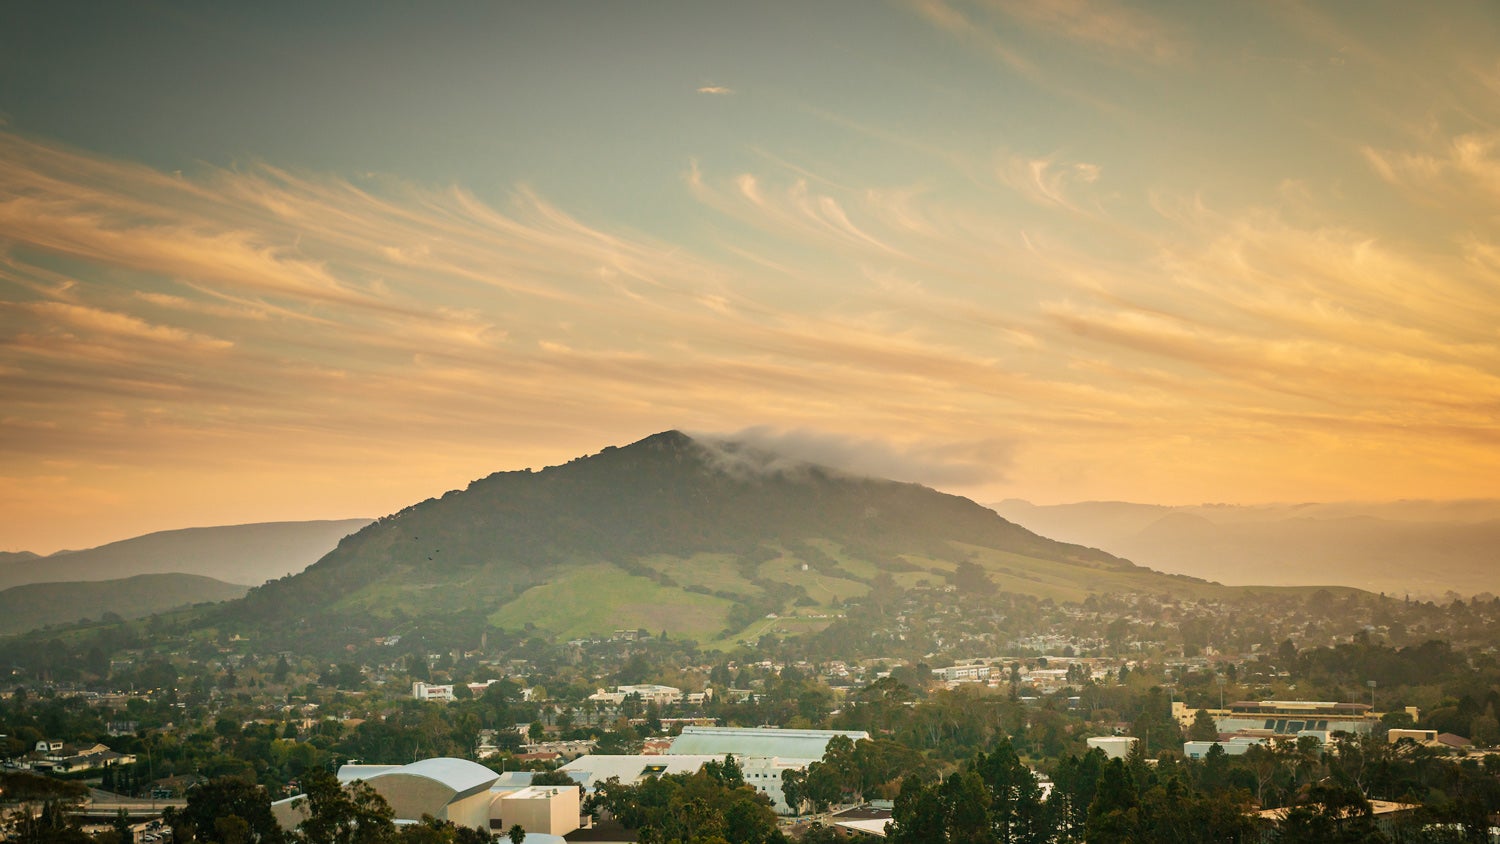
[820, 587]
[601, 598]
[715, 572]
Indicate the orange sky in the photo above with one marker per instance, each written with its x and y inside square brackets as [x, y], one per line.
[277, 267]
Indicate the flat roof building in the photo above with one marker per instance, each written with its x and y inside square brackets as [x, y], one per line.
[759, 741]
[1285, 717]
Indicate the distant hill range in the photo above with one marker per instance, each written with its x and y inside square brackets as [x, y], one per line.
[695, 537]
[243, 554]
[1421, 548]
[24, 608]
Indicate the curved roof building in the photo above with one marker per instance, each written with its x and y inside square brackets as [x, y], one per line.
[446, 788]
[457, 790]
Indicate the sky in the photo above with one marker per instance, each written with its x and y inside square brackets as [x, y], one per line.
[292, 261]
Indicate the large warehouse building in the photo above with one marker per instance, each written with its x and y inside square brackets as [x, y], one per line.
[762, 753]
[457, 790]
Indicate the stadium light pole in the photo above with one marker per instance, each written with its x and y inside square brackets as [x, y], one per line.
[1371, 684]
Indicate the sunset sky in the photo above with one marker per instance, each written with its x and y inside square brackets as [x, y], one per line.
[265, 261]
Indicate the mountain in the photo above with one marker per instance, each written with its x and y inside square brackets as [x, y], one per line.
[245, 554]
[24, 608]
[1420, 548]
[692, 536]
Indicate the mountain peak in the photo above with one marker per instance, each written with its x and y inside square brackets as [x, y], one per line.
[673, 440]
[701, 535]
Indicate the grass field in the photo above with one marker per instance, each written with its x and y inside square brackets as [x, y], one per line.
[715, 572]
[820, 587]
[601, 598]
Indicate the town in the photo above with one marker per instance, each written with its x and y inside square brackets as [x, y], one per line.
[131, 723]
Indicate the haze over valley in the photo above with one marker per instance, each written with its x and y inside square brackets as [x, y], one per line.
[1427, 549]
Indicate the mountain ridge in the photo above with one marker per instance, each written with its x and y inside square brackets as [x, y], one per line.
[247, 554]
[1422, 548]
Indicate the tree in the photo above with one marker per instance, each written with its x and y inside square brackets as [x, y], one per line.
[121, 826]
[1204, 728]
[337, 814]
[919, 816]
[516, 834]
[1113, 814]
[50, 826]
[690, 807]
[1015, 807]
[552, 778]
[434, 831]
[1485, 729]
[220, 799]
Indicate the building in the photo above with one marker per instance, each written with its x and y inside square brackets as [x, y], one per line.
[1235, 746]
[51, 756]
[1115, 747]
[549, 809]
[1384, 812]
[1418, 736]
[1285, 717]
[969, 672]
[457, 790]
[763, 753]
[650, 693]
[444, 691]
[746, 742]
[431, 691]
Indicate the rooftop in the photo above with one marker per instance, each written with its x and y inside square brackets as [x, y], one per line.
[460, 775]
[757, 741]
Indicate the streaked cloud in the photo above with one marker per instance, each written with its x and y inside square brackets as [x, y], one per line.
[1099, 24]
[1033, 249]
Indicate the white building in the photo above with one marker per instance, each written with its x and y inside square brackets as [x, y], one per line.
[431, 691]
[649, 693]
[457, 790]
[1115, 747]
[968, 672]
[551, 809]
[1236, 746]
[444, 691]
[763, 753]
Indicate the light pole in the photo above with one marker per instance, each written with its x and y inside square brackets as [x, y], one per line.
[1371, 684]
[1220, 680]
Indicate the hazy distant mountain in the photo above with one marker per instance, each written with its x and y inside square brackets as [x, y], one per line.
[689, 536]
[8, 557]
[1405, 547]
[247, 554]
[34, 605]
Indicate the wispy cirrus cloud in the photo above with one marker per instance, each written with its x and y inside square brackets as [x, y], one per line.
[1100, 23]
[255, 316]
